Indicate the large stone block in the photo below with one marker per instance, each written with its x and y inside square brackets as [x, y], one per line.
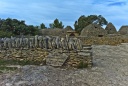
[56, 59]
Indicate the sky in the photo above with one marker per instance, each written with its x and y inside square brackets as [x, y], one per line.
[35, 12]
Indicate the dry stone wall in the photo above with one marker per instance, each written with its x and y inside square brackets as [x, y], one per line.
[56, 57]
[104, 40]
[82, 58]
[51, 51]
[72, 52]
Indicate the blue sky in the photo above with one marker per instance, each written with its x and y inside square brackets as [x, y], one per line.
[35, 12]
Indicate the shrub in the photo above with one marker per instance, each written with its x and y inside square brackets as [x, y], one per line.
[5, 34]
[82, 65]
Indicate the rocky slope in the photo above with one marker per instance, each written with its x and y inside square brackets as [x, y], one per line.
[110, 69]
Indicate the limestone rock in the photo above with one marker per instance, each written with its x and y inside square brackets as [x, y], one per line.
[56, 59]
[84, 54]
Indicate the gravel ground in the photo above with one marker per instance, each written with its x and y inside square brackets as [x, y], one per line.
[110, 69]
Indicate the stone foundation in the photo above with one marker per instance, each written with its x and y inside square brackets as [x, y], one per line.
[56, 57]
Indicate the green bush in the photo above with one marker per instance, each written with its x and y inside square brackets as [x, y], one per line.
[5, 34]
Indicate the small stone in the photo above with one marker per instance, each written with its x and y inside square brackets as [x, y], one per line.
[20, 83]
[8, 84]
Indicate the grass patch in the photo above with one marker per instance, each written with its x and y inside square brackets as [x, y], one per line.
[4, 62]
[82, 65]
[7, 68]
[19, 62]
[4, 69]
[1, 72]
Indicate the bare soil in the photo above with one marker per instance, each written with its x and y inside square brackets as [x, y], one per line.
[110, 68]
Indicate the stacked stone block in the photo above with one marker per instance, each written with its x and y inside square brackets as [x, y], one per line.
[103, 40]
[86, 54]
[60, 51]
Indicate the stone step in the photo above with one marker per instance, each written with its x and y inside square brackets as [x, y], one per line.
[87, 48]
[73, 54]
[86, 51]
[85, 54]
[87, 45]
[56, 61]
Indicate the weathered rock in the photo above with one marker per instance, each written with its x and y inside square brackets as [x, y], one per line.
[123, 30]
[86, 51]
[56, 59]
[93, 30]
[110, 28]
[85, 54]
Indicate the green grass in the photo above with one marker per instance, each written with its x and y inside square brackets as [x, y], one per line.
[4, 69]
[18, 62]
[4, 63]
[82, 65]
[7, 68]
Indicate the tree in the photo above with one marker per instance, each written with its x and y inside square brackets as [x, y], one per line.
[32, 30]
[16, 27]
[43, 26]
[20, 29]
[51, 25]
[1, 22]
[83, 21]
[56, 24]
[7, 25]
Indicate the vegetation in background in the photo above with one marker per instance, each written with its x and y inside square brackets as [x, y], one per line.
[84, 21]
[56, 24]
[17, 27]
[5, 34]
[42, 26]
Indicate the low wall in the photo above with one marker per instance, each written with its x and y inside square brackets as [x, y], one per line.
[56, 57]
[103, 40]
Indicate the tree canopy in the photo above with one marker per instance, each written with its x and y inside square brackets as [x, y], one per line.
[83, 21]
[17, 27]
[56, 24]
[42, 26]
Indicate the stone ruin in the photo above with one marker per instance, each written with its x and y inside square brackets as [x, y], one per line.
[71, 58]
[93, 30]
[51, 50]
[123, 30]
[110, 28]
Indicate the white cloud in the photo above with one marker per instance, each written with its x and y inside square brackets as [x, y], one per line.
[68, 11]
